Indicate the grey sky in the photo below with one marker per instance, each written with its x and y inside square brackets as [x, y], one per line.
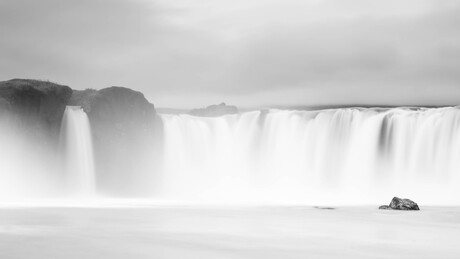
[190, 53]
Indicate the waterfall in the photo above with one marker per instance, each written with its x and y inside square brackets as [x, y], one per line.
[79, 161]
[350, 155]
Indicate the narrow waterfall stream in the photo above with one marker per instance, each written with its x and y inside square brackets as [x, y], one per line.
[76, 132]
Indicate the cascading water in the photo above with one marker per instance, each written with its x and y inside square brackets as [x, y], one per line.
[79, 161]
[337, 156]
[351, 156]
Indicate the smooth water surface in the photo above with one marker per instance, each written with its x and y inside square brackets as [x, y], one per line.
[229, 232]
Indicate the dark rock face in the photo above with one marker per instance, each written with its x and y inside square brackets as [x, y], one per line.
[124, 126]
[35, 106]
[400, 204]
[31, 113]
[83, 98]
[126, 130]
[215, 110]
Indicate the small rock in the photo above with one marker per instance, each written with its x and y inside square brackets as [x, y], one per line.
[400, 204]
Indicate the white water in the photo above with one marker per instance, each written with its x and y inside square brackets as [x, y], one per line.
[340, 156]
[79, 159]
[229, 233]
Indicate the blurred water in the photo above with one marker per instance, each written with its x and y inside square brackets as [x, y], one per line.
[329, 157]
[230, 232]
[78, 151]
[351, 156]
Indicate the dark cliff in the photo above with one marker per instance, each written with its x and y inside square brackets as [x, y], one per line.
[124, 126]
[35, 106]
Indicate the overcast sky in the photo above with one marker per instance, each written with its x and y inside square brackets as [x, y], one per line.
[191, 53]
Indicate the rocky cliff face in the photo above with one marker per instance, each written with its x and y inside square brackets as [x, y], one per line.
[34, 106]
[31, 112]
[124, 127]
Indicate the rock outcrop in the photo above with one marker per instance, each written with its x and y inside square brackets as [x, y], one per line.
[125, 127]
[215, 110]
[35, 106]
[400, 204]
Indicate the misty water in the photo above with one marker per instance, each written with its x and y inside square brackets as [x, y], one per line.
[350, 156]
[339, 156]
[228, 232]
[243, 186]
[77, 146]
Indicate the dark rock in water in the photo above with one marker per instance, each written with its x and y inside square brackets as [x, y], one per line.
[215, 110]
[403, 204]
[124, 126]
[36, 106]
[400, 204]
[324, 208]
